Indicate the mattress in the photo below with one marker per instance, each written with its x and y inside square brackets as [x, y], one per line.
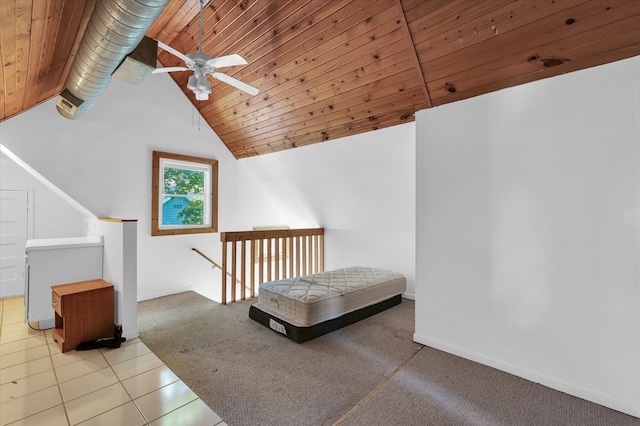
[337, 297]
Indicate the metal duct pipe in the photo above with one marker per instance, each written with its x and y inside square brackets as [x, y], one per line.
[114, 30]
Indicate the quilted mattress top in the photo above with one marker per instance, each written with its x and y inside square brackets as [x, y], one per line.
[324, 285]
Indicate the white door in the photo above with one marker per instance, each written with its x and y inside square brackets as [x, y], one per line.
[13, 240]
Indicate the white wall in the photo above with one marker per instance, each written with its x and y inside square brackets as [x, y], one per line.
[528, 232]
[121, 270]
[361, 189]
[69, 223]
[103, 161]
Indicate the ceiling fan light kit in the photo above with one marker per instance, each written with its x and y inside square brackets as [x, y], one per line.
[200, 86]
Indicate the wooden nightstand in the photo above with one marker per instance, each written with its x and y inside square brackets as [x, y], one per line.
[84, 312]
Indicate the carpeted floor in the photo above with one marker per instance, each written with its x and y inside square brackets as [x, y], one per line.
[437, 388]
[369, 373]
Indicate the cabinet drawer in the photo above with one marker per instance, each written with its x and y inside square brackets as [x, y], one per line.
[56, 302]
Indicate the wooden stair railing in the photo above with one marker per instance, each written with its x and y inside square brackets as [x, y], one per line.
[284, 253]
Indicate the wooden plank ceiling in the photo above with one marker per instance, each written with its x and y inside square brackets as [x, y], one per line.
[331, 68]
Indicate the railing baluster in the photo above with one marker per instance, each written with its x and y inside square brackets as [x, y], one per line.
[224, 275]
[252, 269]
[300, 257]
[261, 261]
[243, 269]
[269, 255]
[304, 255]
[310, 254]
[288, 253]
[233, 270]
[285, 256]
[276, 258]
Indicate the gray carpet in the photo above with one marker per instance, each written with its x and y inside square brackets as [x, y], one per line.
[437, 388]
[250, 375]
[369, 373]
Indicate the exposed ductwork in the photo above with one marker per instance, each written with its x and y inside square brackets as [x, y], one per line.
[114, 30]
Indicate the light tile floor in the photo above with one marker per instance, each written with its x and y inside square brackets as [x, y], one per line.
[128, 386]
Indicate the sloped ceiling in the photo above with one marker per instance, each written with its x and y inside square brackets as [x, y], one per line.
[331, 68]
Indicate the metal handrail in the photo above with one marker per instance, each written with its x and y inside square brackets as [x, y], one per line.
[213, 262]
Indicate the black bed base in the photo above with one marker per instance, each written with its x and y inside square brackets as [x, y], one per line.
[302, 334]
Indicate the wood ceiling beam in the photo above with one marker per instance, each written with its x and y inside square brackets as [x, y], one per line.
[415, 53]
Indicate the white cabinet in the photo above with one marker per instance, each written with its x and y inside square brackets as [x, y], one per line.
[58, 261]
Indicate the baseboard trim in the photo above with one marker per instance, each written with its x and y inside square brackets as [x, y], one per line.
[150, 296]
[534, 376]
[409, 296]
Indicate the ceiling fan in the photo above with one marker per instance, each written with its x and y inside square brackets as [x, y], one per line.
[201, 65]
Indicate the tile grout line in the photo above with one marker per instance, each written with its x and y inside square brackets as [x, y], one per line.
[55, 374]
[46, 344]
[146, 422]
[97, 390]
[43, 333]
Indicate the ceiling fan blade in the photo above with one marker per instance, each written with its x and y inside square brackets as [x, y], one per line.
[236, 83]
[174, 52]
[226, 61]
[169, 69]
